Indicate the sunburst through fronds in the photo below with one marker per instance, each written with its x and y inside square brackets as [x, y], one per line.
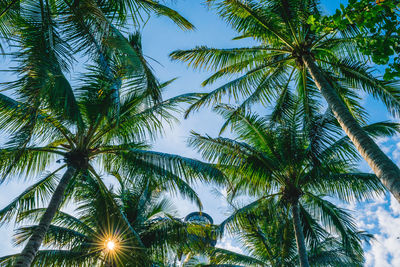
[110, 244]
[115, 242]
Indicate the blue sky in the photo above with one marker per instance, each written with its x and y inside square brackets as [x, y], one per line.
[160, 37]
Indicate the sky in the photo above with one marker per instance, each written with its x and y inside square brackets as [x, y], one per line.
[160, 37]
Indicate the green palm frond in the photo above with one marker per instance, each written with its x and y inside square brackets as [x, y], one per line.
[360, 75]
[233, 221]
[334, 218]
[28, 160]
[56, 236]
[351, 186]
[163, 10]
[276, 159]
[177, 165]
[32, 197]
[142, 207]
[219, 255]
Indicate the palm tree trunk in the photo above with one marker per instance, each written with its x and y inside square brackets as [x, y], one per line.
[27, 256]
[298, 230]
[380, 163]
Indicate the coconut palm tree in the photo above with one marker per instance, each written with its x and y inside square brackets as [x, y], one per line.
[295, 163]
[47, 37]
[87, 26]
[266, 235]
[84, 134]
[59, 34]
[132, 225]
[290, 51]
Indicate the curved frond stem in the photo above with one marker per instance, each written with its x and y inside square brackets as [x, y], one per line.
[28, 198]
[252, 13]
[104, 192]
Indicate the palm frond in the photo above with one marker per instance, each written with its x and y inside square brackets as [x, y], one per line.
[32, 197]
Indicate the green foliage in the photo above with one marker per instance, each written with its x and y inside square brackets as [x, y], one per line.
[115, 145]
[104, 123]
[284, 35]
[277, 161]
[136, 214]
[58, 33]
[377, 29]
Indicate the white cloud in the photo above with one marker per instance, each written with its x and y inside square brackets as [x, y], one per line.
[381, 217]
[394, 206]
[229, 244]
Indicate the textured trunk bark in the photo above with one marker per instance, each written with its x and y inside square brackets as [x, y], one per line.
[298, 229]
[27, 256]
[380, 163]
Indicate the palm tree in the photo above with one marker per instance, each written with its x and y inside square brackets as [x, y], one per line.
[295, 164]
[85, 134]
[85, 25]
[266, 234]
[136, 218]
[74, 124]
[59, 33]
[289, 51]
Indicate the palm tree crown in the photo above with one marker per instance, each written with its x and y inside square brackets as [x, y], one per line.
[266, 235]
[290, 52]
[135, 217]
[88, 127]
[295, 164]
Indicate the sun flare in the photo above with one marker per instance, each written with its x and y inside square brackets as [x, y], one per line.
[110, 244]
[114, 243]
